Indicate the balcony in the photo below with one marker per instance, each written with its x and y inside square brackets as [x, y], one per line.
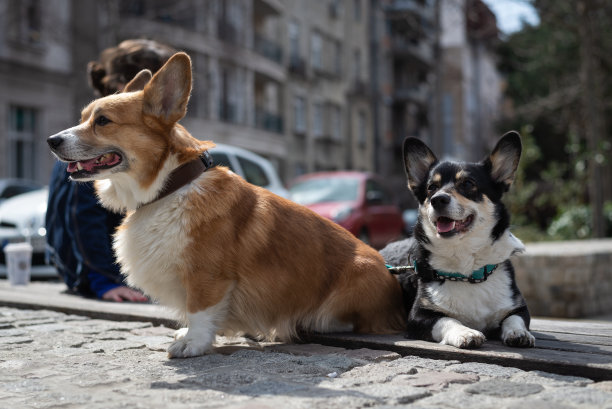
[297, 66]
[422, 50]
[418, 93]
[268, 7]
[228, 112]
[268, 48]
[268, 121]
[359, 87]
[406, 8]
[227, 32]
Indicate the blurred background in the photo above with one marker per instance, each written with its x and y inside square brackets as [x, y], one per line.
[332, 85]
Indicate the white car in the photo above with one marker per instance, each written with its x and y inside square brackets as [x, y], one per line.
[13, 187]
[253, 168]
[22, 218]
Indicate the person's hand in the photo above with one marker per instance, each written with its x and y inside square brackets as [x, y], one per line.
[120, 294]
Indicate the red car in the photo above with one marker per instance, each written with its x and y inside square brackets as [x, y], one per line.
[355, 200]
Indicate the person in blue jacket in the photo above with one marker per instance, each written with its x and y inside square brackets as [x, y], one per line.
[79, 229]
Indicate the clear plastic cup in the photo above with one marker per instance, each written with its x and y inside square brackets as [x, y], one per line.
[18, 262]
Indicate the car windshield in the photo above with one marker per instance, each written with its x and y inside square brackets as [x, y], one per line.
[322, 190]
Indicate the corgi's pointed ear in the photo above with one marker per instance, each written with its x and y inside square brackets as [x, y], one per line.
[418, 159]
[167, 94]
[138, 82]
[505, 157]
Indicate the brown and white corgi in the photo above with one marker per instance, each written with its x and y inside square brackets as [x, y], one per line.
[227, 255]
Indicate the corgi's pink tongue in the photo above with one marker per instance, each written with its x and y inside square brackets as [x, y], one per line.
[87, 165]
[108, 159]
[444, 224]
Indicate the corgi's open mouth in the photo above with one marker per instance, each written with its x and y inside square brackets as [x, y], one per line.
[447, 227]
[85, 168]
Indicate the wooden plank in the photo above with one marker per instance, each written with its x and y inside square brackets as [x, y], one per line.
[602, 341]
[572, 327]
[594, 364]
[574, 347]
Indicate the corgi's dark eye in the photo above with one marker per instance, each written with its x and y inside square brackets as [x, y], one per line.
[432, 187]
[102, 120]
[467, 184]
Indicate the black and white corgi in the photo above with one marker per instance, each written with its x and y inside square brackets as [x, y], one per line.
[463, 288]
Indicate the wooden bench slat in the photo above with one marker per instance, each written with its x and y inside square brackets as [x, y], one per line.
[551, 356]
[572, 327]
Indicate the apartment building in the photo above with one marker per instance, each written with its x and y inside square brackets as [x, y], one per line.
[469, 91]
[406, 32]
[311, 85]
[284, 78]
[35, 83]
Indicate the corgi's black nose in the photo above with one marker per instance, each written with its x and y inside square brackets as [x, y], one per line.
[440, 200]
[55, 141]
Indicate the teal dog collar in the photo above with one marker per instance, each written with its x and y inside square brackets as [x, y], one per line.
[477, 276]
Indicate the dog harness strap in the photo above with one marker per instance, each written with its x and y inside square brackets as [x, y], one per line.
[185, 174]
[477, 276]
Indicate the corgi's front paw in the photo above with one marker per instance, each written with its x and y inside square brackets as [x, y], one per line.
[464, 338]
[449, 331]
[186, 347]
[519, 338]
[187, 344]
[515, 333]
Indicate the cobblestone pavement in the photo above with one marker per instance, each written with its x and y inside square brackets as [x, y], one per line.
[52, 360]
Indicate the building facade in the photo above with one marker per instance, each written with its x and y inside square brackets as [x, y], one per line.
[469, 93]
[407, 36]
[286, 81]
[36, 91]
[317, 85]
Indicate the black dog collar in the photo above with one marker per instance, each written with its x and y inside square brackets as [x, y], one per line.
[185, 174]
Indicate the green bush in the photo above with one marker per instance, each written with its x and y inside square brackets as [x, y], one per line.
[575, 223]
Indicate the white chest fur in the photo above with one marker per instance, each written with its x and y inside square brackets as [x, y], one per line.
[150, 246]
[480, 306]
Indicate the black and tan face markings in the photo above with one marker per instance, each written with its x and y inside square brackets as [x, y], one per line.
[467, 180]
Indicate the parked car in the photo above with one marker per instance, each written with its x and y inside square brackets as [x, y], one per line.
[355, 200]
[410, 217]
[13, 187]
[253, 168]
[22, 218]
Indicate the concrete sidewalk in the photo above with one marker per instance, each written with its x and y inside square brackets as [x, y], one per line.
[52, 359]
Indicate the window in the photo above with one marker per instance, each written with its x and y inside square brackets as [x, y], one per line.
[316, 51]
[334, 8]
[230, 25]
[317, 119]
[357, 9]
[221, 159]
[231, 101]
[294, 40]
[337, 58]
[253, 173]
[375, 193]
[21, 152]
[357, 64]
[177, 13]
[336, 122]
[24, 21]
[361, 128]
[14, 190]
[299, 115]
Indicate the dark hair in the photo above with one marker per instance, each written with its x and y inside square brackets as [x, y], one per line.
[118, 65]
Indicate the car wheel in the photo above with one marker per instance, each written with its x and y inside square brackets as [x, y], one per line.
[364, 236]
